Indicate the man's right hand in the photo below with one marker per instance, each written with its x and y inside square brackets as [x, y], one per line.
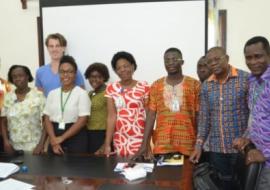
[195, 155]
[240, 143]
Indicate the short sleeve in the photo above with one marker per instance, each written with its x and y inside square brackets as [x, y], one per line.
[37, 79]
[109, 91]
[48, 103]
[152, 104]
[84, 104]
[4, 108]
[197, 87]
[42, 103]
[146, 93]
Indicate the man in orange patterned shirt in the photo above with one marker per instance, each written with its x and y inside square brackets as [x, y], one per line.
[173, 103]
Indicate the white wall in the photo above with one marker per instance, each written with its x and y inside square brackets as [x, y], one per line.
[245, 19]
[18, 30]
[18, 35]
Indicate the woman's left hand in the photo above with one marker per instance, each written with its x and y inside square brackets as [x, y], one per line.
[39, 149]
[100, 151]
[108, 151]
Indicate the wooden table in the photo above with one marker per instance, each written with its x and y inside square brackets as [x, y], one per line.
[90, 172]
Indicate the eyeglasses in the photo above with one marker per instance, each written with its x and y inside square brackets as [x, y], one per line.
[215, 59]
[172, 60]
[66, 72]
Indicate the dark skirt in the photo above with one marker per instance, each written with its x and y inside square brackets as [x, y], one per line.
[75, 144]
[95, 139]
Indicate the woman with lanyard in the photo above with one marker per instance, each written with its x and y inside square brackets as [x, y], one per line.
[66, 112]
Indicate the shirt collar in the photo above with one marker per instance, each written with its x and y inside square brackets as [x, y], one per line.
[264, 77]
[232, 73]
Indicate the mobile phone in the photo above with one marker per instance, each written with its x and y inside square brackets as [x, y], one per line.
[16, 161]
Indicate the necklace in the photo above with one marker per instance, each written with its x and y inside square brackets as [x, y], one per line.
[129, 85]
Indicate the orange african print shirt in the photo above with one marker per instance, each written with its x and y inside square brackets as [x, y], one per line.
[175, 128]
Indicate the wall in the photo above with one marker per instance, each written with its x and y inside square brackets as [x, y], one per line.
[18, 31]
[18, 35]
[245, 19]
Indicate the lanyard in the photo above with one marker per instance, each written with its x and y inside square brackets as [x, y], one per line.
[63, 104]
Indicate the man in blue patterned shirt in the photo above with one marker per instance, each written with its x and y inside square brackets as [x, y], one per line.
[223, 114]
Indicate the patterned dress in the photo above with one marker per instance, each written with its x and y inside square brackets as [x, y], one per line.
[130, 122]
[24, 119]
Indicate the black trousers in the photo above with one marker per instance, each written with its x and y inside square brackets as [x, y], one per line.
[75, 144]
[95, 139]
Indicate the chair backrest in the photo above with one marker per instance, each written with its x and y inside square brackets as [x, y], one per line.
[205, 177]
[252, 175]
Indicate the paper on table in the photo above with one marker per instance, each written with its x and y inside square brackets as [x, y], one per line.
[12, 184]
[134, 173]
[148, 167]
[173, 161]
[7, 169]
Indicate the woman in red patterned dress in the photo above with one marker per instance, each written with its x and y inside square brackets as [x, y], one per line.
[126, 102]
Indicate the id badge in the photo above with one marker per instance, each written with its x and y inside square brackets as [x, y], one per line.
[119, 102]
[175, 105]
[62, 126]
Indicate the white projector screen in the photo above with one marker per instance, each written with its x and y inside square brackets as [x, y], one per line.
[95, 32]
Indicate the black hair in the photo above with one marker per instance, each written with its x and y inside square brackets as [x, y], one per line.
[26, 70]
[123, 55]
[100, 68]
[218, 48]
[173, 49]
[201, 59]
[69, 59]
[259, 39]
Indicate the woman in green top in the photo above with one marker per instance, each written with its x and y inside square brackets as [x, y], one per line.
[97, 74]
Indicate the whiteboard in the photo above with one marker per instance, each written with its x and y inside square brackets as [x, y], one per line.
[96, 32]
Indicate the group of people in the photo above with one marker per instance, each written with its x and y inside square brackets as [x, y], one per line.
[222, 114]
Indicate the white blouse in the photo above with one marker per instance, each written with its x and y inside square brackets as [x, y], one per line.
[78, 104]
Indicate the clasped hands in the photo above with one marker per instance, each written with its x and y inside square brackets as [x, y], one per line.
[56, 145]
[252, 155]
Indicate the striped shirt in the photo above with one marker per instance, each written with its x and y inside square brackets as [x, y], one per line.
[223, 111]
[259, 103]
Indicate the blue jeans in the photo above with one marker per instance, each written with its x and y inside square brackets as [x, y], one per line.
[225, 164]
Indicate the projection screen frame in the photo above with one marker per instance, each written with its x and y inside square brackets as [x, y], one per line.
[56, 3]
